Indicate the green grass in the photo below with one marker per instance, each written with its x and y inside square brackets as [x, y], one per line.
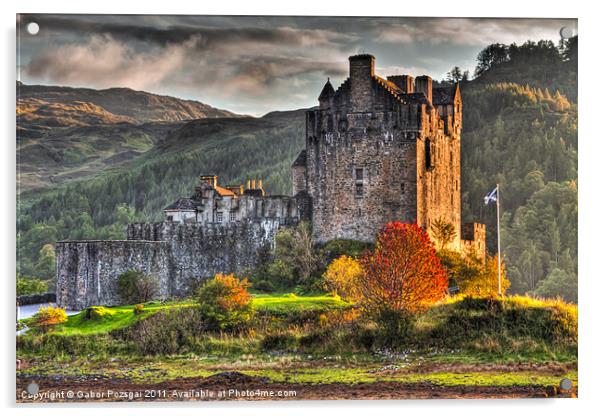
[287, 303]
[113, 318]
[119, 317]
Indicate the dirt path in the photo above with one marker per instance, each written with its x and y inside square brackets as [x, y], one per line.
[237, 386]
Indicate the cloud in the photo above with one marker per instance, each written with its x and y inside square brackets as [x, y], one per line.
[253, 64]
[207, 37]
[464, 31]
[104, 62]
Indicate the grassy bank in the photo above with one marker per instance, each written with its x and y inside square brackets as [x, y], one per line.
[315, 339]
[322, 324]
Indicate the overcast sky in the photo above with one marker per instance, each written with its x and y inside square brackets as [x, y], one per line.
[252, 65]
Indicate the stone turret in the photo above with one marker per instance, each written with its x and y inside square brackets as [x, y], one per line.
[361, 74]
[404, 82]
[326, 95]
[424, 84]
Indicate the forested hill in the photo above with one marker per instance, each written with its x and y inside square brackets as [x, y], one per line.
[520, 130]
[521, 136]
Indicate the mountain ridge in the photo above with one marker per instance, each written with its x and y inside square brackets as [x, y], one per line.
[140, 106]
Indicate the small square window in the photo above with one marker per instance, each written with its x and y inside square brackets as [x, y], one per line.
[359, 189]
[359, 174]
[232, 216]
[170, 218]
[219, 217]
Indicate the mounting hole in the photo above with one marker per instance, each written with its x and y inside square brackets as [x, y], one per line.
[33, 28]
[33, 388]
[567, 32]
[566, 384]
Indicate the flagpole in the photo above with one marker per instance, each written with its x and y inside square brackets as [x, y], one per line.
[499, 246]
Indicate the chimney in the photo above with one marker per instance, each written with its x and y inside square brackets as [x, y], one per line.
[253, 184]
[424, 84]
[361, 72]
[210, 179]
[248, 183]
[404, 82]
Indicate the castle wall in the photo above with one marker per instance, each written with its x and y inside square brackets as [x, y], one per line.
[199, 252]
[359, 177]
[88, 271]
[298, 173]
[474, 239]
[179, 255]
[438, 164]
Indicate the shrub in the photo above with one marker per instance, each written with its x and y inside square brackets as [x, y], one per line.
[138, 309]
[396, 326]
[168, 331]
[343, 247]
[264, 286]
[342, 277]
[403, 273]
[473, 276]
[99, 313]
[225, 302]
[30, 286]
[279, 342]
[135, 286]
[49, 316]
[502, 323]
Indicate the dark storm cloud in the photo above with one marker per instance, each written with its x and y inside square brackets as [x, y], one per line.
[208, 37]
[253, 64]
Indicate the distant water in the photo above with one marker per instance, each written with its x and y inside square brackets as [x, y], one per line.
[27, 311]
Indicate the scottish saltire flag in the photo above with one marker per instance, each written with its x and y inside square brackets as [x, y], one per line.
[491, 196]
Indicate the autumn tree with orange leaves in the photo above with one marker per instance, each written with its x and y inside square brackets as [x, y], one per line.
[225, 302]
[403, 273]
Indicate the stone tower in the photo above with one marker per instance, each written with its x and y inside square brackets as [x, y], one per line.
[380, 150]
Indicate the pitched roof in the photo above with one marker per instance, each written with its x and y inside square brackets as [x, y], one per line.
[301, 159]
[223, 191]
[327, 91]
[183, 204]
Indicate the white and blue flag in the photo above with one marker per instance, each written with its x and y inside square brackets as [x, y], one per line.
[491, 196]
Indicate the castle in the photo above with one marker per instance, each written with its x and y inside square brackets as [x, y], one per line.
[377, 150]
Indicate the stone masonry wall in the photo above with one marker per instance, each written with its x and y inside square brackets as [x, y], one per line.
[87, 271]
[180, 256]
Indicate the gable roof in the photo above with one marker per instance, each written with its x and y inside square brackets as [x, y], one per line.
[301, 159]
[327, 91]
[182, 204]
[223, 191]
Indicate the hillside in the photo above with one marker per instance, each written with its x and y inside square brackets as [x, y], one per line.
[66, 134]
[141, 106]
[523, 137]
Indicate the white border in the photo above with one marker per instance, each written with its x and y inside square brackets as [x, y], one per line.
[589, 219]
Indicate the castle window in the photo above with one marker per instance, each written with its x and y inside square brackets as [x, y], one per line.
[359, 174]
[219, 216]
[170, 218]
[359, 190]
[232, 216]
[427, 154]
[359, 182]
[403, 188]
